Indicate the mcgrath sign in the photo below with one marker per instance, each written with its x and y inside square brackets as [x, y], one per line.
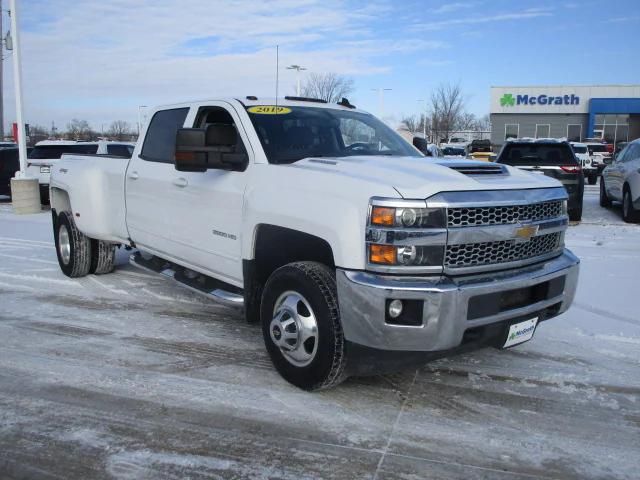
[511, 100]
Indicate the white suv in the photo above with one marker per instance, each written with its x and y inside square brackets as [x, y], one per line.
[581, 152]
[621, 182]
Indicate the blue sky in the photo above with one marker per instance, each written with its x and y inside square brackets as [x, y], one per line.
[99, 60]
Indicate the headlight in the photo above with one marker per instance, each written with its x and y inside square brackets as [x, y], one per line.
[408, 217]
[406, 256]
[405, 236]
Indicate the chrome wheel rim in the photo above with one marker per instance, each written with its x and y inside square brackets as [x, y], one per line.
[294, 329]
[64, 244]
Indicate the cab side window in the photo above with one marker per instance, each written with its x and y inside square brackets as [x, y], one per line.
[219, 115]
[160, 141]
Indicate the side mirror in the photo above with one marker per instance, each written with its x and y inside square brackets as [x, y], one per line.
[213, 147]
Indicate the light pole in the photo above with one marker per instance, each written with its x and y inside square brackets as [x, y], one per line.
[140, 107]
[381, 99]
[298, 69]
[424, 120]
[25, 192]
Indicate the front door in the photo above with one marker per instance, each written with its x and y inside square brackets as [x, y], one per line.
[206, 207]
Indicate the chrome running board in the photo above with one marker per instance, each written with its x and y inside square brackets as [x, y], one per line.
[216, 294]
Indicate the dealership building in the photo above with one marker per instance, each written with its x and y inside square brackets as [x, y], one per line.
[609, 112]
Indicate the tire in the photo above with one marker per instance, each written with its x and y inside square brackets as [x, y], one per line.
[605, 201]
[629, 213]
[593, 179]
[72, 247]
[103, 257]
[299, 292]
[576, 214]
[44, 196]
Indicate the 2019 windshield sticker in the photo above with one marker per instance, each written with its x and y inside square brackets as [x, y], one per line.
[269, 110]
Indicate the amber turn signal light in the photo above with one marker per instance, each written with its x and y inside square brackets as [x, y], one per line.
[383, 254]
[383, 216]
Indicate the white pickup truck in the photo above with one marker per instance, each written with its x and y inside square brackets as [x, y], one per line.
[357, 254]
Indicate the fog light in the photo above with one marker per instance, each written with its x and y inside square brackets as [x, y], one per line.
[395, 308]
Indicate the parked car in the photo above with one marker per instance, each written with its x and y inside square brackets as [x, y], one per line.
[582, 154]
[454, 152]
[598, 152]
[9, 165]
[621, 182]
[552, 158]
[356, 254]
[48, 152]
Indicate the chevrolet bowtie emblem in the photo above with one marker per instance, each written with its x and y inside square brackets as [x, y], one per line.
[525, 232]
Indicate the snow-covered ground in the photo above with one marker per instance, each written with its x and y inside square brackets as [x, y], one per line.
[129, 376]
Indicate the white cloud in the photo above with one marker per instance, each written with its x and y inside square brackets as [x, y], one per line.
[100, 60]
[474, 20]
[454, 7]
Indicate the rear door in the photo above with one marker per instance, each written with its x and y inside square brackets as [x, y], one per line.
[631, 171]
[148, 183]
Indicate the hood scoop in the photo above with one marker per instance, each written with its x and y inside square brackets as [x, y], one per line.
[473, 170]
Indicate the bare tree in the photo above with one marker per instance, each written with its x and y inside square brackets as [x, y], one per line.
[330, 87]
[447, 104]
[467, 121]
[37, 133]
[120, 130]
[416, 124]
[79, 130]
[483, 124]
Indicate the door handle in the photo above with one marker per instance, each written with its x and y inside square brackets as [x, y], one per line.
[133, 175]
[180, 182]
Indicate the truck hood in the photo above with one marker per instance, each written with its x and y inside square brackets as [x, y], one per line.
[421, 177]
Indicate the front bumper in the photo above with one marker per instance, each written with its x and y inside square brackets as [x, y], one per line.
[446, 312]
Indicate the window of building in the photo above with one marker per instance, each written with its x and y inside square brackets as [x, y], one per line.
[160, 140]
[511, 130]
[574, 132]
[543, 130]
[612, 128]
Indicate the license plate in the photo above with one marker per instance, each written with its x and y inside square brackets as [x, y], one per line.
[521, 332]
[45, 169]
[540, 172]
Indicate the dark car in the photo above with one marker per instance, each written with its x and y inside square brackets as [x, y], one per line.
[453, 152]
[9, 165]
[553, 159]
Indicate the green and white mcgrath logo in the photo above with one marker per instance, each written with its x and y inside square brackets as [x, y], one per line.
[507, 100]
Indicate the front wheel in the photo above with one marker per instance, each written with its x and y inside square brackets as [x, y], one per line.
[72, 247]
[629, 213]
[301, 325]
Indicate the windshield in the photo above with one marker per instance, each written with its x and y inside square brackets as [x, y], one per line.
[579, 149]
[537, 154]
[597, 148]
[295, 133]
[56, 151]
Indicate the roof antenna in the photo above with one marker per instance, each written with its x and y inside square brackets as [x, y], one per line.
[277, 72]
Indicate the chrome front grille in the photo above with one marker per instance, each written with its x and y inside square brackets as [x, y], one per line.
[493, 253]
[478, 216]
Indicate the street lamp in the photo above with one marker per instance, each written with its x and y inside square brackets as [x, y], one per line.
[298, 69]
[381, 99]
[25, 191]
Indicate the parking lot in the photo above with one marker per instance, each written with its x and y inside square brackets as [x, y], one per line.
[129, 376]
